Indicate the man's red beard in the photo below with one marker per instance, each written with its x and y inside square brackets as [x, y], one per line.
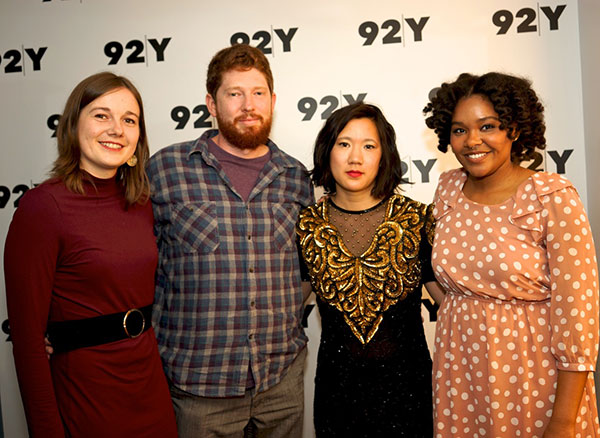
[251, 137]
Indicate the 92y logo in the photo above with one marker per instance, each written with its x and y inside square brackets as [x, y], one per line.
[265, 38]
[559, 158]
[308, 105]
[6, 194]
[14, 60]
[181, 115]
[138, 50]
[395, 30]
[6, 330]
[419, 171]
[52, 124]
[530, 19]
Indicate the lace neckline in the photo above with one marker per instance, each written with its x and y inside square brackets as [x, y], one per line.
[343, 210]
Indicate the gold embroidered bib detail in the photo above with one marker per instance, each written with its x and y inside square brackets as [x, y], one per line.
[364, 287]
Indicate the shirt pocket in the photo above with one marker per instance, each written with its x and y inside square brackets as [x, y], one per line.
[195, 228]
[284, 224]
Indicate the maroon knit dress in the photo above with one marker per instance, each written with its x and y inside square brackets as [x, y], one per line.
[70, 256]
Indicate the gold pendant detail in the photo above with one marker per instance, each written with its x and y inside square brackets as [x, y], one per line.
[364, 287]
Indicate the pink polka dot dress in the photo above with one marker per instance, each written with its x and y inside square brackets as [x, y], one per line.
[522, 302]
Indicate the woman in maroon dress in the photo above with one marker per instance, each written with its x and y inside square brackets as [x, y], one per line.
[79, 265]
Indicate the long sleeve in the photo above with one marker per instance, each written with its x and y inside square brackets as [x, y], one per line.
[574, 279]
[30, 259]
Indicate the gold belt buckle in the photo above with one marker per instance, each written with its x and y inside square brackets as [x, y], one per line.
[130, 312]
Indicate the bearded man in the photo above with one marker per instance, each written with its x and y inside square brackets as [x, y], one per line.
[229, 303]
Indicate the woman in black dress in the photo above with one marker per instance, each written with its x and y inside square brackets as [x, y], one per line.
[367, 250]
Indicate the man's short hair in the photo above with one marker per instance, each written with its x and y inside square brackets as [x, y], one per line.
[236, 57]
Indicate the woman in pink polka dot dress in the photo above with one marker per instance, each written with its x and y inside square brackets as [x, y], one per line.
[517, 334]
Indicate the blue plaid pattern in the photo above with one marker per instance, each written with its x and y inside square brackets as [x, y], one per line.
[228, 280]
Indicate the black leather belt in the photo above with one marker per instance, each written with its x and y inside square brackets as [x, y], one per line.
[71, 335]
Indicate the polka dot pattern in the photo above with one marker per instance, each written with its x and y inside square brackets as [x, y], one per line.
[522, 303]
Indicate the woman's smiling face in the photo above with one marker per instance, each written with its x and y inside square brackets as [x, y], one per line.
[477, 141]
[108, 132]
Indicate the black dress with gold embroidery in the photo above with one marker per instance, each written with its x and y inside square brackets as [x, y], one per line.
[373, 369]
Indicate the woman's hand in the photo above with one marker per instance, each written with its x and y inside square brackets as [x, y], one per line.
[569, 391]
[558, 429]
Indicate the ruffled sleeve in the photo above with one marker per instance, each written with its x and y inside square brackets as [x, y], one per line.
[449, 188]
[553, 212]
[527, 212]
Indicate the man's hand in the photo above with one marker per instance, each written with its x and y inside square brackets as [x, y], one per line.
[49, 349]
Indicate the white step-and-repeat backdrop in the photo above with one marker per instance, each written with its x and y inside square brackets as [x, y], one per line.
[324, 54]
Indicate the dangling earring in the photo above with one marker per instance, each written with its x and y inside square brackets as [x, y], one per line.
[132, 161]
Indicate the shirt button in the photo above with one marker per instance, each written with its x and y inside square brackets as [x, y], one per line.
[252, 303]
[251, 270]
[251, 336]
[249, 237]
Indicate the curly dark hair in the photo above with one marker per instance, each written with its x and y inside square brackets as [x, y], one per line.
[517, 105]
[389, 175]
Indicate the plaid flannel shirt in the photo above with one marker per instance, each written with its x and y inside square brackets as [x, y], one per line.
[228, 289]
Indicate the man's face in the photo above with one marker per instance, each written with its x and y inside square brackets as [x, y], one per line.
[243, 106]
